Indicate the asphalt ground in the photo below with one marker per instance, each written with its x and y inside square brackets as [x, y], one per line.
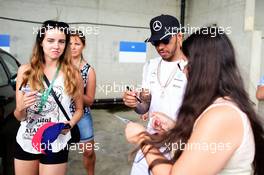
[112, 149]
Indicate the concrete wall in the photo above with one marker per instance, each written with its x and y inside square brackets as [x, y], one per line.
[103, 40]
[239, 15]
[259, 25]
[225, 14]
[102, 49]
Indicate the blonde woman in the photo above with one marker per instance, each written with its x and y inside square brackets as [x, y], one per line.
[77, 42]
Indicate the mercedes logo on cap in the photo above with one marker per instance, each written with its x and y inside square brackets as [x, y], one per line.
[157, 26]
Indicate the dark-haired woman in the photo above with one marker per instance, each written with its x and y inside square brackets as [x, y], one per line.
[35, 105]
[217, 130]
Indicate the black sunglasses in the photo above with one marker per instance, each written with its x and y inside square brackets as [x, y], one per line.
[77, 33]
[52, 23]
[163, 41]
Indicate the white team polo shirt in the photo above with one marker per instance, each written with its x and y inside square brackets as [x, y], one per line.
[170, 100]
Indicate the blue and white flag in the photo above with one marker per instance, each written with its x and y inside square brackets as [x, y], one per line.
[132, 52]
[5, 42]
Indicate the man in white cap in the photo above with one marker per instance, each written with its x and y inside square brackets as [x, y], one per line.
[164, 80]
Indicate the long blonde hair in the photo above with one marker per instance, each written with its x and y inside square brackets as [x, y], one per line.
[34, 75]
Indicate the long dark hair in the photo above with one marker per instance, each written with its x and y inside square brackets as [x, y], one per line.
[212, 73]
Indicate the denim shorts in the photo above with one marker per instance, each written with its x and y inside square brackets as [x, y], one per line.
[86, 128]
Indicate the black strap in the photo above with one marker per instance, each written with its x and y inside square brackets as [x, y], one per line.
[87, 78]
[56, 98]
[88, 68]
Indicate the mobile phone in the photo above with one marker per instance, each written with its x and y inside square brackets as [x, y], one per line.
[25, 89]
[67, 126]
[33, 121]
[138, 99]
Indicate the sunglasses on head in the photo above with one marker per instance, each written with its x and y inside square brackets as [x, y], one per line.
[55, 24]
[163, 41]
[77, 33]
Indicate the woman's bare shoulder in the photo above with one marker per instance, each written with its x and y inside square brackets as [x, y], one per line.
[23, 68]
[222, 121]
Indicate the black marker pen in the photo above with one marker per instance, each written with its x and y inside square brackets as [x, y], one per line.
[138, 99]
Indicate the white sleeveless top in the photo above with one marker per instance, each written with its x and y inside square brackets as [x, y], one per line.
[241, 161]
[51, 113]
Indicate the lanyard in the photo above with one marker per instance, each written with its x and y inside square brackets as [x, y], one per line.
[45, 94]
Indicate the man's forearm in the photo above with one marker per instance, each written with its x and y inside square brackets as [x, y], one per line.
[260, 93]
[142, 108]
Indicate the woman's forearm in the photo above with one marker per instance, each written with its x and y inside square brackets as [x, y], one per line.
[152, 154]
[20, 114]
[87, 100]
[76, 116]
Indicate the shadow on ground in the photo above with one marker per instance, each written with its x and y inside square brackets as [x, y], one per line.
[112, 156]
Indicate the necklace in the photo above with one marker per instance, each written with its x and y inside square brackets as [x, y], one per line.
[76, 64]
[170, 78]
[79, 67]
